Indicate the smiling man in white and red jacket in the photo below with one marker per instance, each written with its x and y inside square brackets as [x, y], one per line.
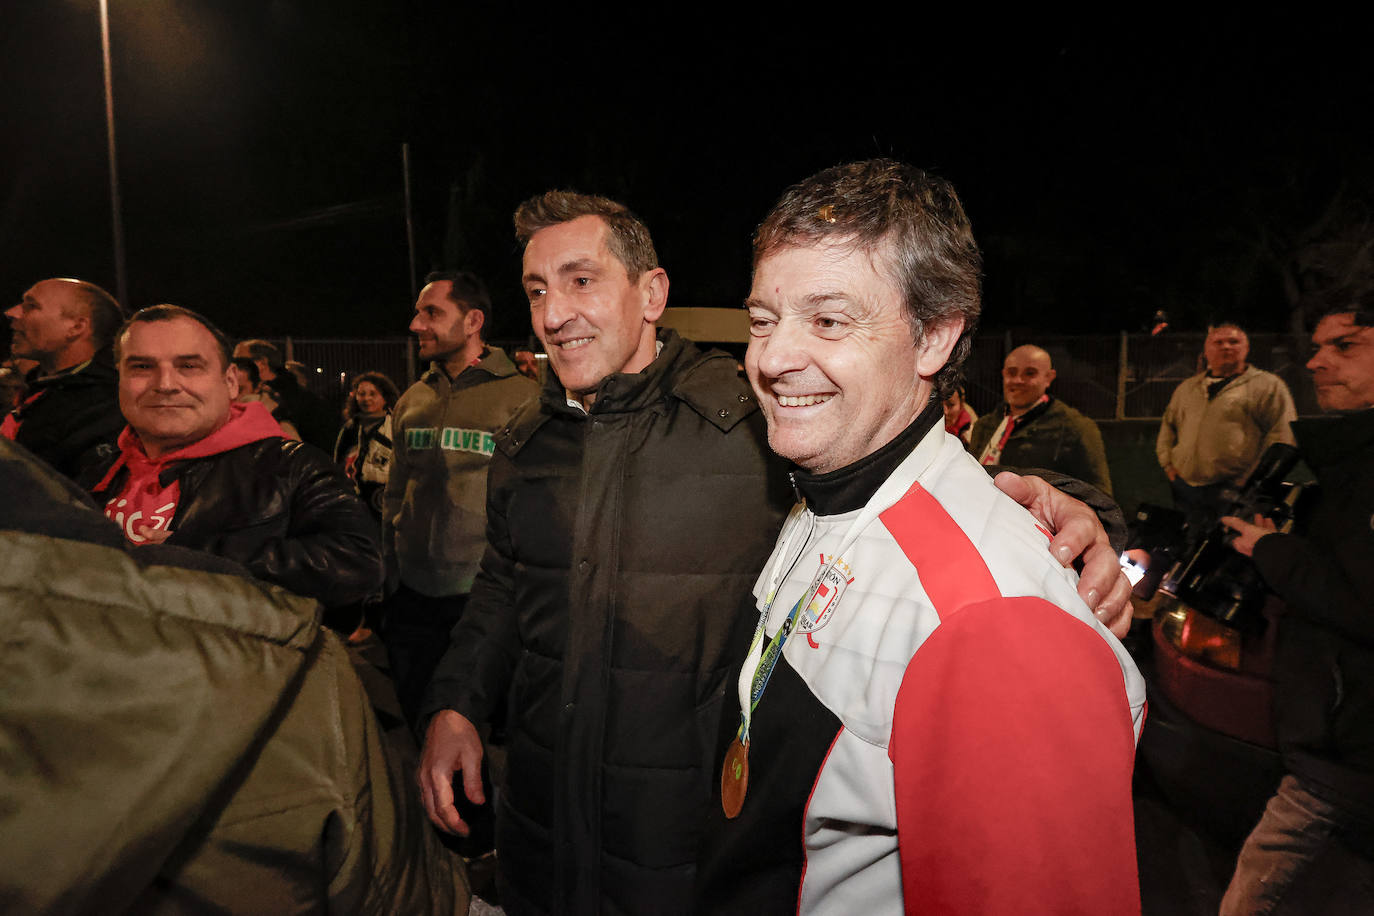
[197, 470]
[930, 719]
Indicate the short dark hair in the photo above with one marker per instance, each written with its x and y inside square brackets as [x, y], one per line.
[1357, 302]
[102, 310]
[105, 311]
[467, 291]
[629, 238]
[249, 369]
[1226, 323]
[911, 220]
[170, 313]
[264, 349]
[379, 380]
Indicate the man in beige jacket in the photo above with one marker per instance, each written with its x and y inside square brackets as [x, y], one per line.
[1219, 422]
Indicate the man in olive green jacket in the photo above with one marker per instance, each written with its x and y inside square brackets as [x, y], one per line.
[176, 736]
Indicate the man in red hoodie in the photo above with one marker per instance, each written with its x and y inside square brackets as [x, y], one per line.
[198, 470]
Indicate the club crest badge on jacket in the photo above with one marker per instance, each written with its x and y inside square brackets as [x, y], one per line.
[826, 588]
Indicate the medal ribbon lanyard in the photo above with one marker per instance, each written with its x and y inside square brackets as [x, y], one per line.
[759, 664]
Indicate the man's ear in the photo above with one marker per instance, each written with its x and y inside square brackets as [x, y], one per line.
[654, 285]
[473, 319]
[937, 342]
[1050, 375]
[78, 328]
[231, 380]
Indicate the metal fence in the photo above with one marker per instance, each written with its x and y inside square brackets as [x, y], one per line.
[1126, 376]
[331, 365]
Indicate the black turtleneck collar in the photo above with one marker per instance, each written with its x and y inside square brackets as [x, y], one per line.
[852, 486]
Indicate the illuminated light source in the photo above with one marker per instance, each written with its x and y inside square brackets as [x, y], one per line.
[1200, 637]
[1134, 563]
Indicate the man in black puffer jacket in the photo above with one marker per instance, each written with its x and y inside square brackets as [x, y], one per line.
[198, 471]
[629, 509]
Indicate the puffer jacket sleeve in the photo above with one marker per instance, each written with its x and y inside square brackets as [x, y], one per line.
[128, 694]
[178, 737]
[475, 673]
[331, 550]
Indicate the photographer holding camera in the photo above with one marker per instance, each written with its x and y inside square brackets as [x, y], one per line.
[1311, 851]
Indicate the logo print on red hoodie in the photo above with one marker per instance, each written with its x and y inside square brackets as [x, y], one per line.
[156, 519]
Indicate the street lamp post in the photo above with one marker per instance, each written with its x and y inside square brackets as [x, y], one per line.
[121, 284]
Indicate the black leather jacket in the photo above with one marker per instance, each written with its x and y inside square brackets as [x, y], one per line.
[282, 509]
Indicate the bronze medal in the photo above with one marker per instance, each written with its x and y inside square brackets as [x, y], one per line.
[734, 777]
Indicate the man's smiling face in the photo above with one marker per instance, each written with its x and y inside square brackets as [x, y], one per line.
[174, 386]
[593, 320]
[441, 325]
[832, 356]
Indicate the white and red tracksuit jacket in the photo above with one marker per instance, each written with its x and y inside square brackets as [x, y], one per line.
[949, 729]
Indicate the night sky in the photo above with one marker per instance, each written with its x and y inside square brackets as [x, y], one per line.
[1196, 167]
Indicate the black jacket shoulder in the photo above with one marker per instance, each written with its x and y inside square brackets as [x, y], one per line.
[714, 389]
[72, 420]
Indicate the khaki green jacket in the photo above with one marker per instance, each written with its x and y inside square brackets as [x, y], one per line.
[435, 511]
[177, 737]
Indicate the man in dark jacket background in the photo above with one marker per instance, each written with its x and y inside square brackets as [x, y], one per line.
[629, 511]
[1313, 849]
[1032, 428]
[199, 471]
[318, 424]
[69, 417]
